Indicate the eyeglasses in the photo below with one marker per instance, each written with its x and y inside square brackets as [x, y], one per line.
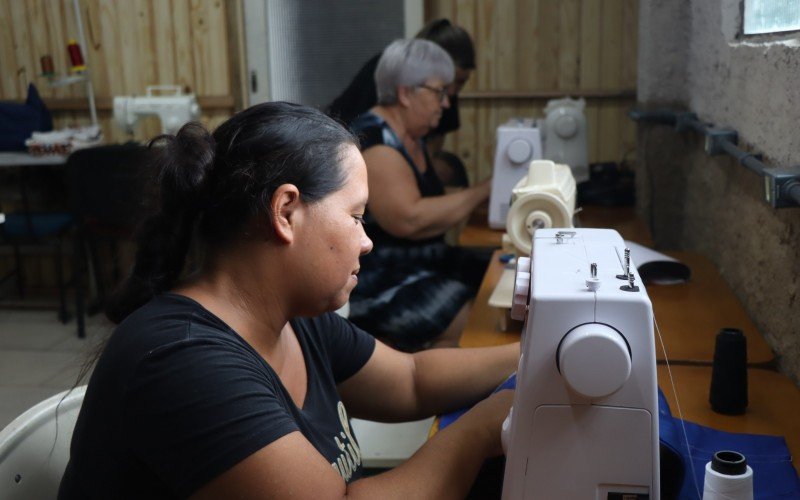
[441, 92]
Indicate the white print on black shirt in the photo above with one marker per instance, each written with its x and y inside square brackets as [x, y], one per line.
[350, 457]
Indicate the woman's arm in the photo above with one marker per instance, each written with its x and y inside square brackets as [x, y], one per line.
[443, 468]
[393, 386]
[400, 209]
[396, 386]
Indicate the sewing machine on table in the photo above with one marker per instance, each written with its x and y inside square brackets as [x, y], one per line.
[173, 108]
[584, 422]
[561, 137]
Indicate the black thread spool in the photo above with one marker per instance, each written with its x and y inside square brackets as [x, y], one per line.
[729, 373]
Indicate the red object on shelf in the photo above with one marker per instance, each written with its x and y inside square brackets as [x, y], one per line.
[75, 56]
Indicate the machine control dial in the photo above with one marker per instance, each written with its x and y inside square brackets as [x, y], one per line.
[594, 360]
[566, 126]
[519, 151]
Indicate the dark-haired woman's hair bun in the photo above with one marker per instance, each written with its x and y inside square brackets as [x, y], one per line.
[186, 160]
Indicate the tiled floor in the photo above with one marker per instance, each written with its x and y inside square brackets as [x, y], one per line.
[40, 357]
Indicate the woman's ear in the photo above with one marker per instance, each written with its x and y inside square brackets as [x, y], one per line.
[404, 95]
[286, 205]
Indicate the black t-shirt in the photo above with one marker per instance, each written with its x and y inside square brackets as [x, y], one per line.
[360, 96]
[178, 397]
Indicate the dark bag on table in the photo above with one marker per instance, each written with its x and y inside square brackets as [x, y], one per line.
[19, 121]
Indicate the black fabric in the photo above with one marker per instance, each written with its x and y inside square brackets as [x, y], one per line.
[360, 96]
[19, 121]
[178, 398]
[409, 291]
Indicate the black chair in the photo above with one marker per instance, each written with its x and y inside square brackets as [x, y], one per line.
[106, 189]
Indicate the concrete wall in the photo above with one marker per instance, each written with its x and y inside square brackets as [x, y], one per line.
[691, 57]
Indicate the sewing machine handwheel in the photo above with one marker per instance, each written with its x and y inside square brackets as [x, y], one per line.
[546, 209]
[594, 359]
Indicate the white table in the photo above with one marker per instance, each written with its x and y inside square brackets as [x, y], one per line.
[22, 159]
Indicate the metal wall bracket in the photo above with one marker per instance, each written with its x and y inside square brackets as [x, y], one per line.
[780, 185]
[716, 137]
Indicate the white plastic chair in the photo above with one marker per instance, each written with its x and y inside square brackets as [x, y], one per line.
[34, 448]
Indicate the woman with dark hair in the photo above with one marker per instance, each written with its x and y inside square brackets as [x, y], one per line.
[415, 289]
[236, 380]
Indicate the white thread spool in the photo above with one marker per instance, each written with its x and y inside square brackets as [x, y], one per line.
[728, 477]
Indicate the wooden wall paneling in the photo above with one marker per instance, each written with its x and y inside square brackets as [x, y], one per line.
[486, 39]
[465, 15]
[56, 25]
[182, 33]
[147, 51]
[439, 9]
[110, 53]
[569, 29]
[465, 141]
[40, 44]
[486, 138]
[68, 30]
[236, 54]
[220, 77]
[9, 86]
[546, 51]
[590, 67]
[44, 22]
[24, 72]
[145, 60]
[131, 81]
[630, 60]
[164, 43]
[208, 34]
[97, 49]
[506, 45]
[527, 28]
[610, 78]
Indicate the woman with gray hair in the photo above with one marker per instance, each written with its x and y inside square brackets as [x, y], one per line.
[414, 289]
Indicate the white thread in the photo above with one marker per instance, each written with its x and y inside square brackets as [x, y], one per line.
[719, 486]
[690, 467]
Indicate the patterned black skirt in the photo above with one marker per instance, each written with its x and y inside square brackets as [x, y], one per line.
[409, 295]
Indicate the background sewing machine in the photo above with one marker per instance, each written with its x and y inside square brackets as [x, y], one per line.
[561, 137]
[168, 102]
[584, 423]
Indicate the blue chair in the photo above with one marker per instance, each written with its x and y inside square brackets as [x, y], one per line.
[23, 230]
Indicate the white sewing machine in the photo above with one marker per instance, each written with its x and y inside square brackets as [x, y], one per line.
[518, 142]
[565, 135]
[173, 108]
[584, 424]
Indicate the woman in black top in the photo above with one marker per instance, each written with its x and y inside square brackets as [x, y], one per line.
[415, 289]
[236, 380]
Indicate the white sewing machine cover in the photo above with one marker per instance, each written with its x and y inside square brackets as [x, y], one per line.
[584, 423]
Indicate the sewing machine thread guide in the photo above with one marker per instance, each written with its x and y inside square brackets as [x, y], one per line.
[627, 265]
